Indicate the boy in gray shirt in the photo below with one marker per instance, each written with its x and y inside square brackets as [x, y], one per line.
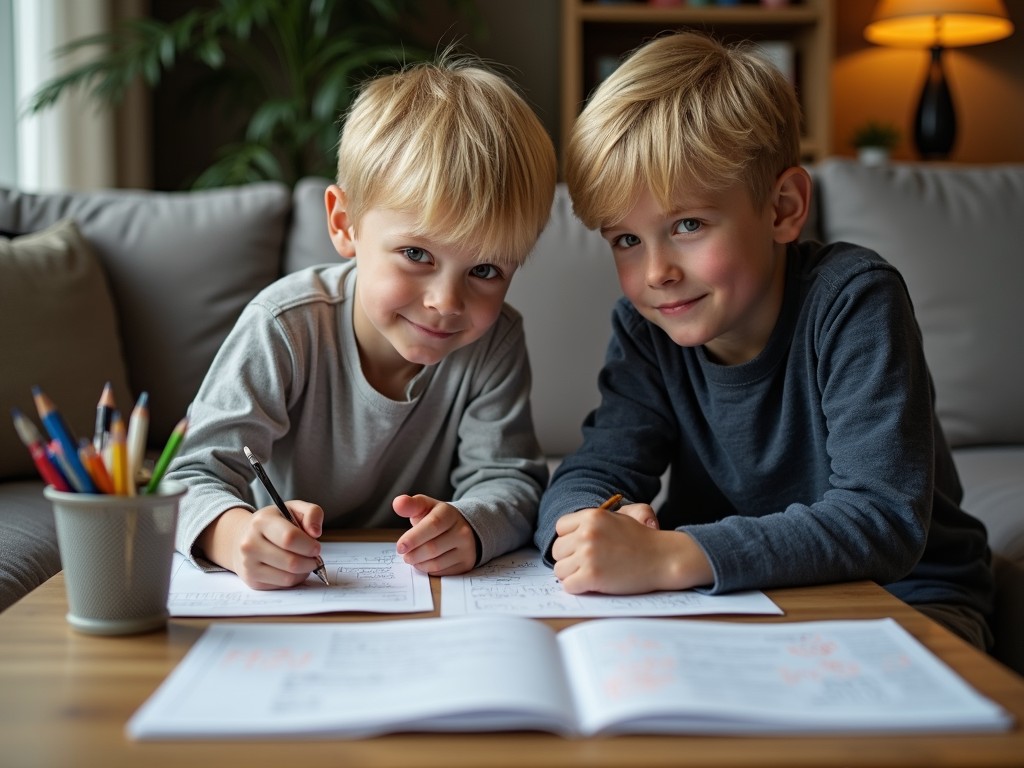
[395, 386]
[784, 384]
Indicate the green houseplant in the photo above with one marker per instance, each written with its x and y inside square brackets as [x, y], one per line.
[290, 68]
[874, 140]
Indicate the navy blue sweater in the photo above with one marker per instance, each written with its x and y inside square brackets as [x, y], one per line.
[820, 460]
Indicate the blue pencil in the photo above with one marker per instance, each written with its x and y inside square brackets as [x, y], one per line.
[58, 430]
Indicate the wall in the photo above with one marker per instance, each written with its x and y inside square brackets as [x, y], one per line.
[869, 82]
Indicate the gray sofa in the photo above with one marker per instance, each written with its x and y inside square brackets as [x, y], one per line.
[143, 286]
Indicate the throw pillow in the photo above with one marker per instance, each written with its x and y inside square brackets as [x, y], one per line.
[181, 267]
[59, 332]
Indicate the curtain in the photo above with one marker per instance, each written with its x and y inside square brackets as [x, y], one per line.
[74, 144]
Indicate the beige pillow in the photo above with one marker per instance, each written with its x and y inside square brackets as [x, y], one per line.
[59, 331]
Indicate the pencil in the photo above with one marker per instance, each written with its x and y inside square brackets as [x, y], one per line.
[138, 429]
[118, 460]
[104, 410]
[58, 430]
[75, 480]
[321, 571]
[94, 465]
[33, 440]
[173, 444]
[611, 501]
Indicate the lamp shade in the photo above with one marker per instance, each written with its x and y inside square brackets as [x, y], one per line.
[946, 23]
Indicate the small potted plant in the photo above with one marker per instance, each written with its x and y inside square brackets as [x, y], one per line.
[874, 140]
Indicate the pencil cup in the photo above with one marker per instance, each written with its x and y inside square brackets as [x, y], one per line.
[116, 552]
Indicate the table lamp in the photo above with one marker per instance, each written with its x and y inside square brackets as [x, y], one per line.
[937, 24]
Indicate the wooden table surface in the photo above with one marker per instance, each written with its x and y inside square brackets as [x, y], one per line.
[65, 698]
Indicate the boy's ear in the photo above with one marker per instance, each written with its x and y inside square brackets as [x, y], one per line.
[791, 201]
[339, 227]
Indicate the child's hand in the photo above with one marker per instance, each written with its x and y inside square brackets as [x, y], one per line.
[620, 553]
[642, 513]
[440, 541]
[263, 548]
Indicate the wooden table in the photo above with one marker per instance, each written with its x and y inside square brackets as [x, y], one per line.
[65, 698]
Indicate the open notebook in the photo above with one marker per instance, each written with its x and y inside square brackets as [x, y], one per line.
[598, 677]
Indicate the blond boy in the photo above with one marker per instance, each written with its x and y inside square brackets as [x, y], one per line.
[391, 389]
[783, 383]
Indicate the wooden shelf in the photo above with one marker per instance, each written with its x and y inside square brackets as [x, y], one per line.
[596, 33]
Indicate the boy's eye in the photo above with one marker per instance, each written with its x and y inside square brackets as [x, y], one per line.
[687, 225]
[417, 255]
[625, 241]
[485, 272]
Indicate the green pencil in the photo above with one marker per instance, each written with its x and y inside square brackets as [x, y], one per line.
[173, 444]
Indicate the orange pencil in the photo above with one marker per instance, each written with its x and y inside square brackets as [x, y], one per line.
[611, 501]
[94, 465]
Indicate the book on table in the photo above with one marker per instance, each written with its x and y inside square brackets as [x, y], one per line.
[606, 676]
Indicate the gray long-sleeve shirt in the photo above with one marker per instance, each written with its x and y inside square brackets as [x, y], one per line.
[819, 460]
[287, 383]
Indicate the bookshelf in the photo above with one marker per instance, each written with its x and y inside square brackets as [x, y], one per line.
[596, 34]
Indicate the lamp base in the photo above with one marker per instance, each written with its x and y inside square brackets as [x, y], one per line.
[935, 122]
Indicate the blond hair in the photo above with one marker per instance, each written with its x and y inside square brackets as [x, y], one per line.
[455, 144]
[682, 110]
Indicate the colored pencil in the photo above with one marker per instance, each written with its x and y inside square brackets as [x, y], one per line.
[94, 465]
[118, 459]
[104, 410]
[611, 501]
[33, 440]
[59, 431]
[77, 482]
[173, 444]
[138, 429]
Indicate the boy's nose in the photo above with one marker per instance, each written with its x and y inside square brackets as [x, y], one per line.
[660, 267]
[444, 298]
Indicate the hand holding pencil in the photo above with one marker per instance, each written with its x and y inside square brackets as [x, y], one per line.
[321, 570]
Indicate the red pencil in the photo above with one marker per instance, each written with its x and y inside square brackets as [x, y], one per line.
[33, 440]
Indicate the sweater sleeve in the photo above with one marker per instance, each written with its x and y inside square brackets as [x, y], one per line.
[627, 440]
[868, 384]
[233, 408]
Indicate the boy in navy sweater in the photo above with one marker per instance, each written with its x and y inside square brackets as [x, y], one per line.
[783, 383]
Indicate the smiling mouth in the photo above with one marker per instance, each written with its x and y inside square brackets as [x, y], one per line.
[432, 332]
[677, 307]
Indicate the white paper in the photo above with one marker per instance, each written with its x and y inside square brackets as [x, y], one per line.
[364, 576]
[359, 679]
[520, 584]
[658, 676]
[493, 673]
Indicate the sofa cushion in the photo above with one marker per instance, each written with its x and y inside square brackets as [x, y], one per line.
[308, 241]
[28, 540]
[565, 292]
[181, 267]
[60, 332]
[955, 232]
[993, 481]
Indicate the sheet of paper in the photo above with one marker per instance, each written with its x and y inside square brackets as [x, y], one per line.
[356, 679]
[827, 676]
[364, 576]
[519, 584]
